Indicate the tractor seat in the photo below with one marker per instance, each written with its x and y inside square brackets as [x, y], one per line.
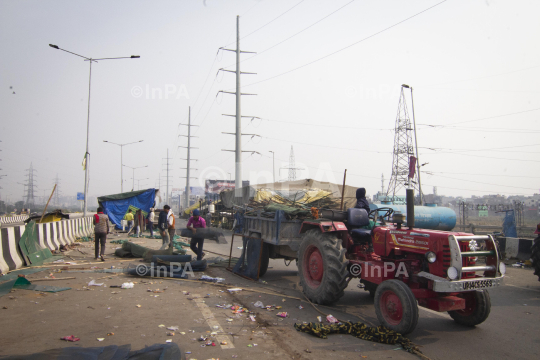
[356, 219]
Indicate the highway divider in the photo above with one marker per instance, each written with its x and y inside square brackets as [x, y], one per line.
[50, 235]
[12, 219]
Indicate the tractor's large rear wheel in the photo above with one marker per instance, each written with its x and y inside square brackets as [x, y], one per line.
[396, 306]
[536, 257]
[322, 267]
[477, 308]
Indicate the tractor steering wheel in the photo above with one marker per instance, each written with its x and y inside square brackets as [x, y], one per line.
[373, 214]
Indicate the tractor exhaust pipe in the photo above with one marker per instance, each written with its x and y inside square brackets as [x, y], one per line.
[410, 208]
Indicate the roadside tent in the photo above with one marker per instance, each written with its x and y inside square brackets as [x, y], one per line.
[117, 205]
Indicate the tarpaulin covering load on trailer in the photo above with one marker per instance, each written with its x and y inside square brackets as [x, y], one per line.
[302, 191]
[117, 205]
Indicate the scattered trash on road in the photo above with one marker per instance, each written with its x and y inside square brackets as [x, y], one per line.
[127, 285]
[331, 319]
[93, 283]
[70, 338]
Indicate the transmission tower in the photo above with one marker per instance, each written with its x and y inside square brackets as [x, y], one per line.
[188, 159]
[292, 167]
[30, 184]
[403, 152]
[57, 192]
[238, 115]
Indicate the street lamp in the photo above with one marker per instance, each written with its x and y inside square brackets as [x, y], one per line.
[121, 162]
[133, 168]
[139, 182]
[85, 161]
[273, 165]
[415, 145]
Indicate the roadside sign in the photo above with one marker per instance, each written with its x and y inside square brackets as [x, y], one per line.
[80, 196]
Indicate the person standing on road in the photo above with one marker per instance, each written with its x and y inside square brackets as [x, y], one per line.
[196, 222]
[151, 217]
[139, 222]
[162, 225]
[129, 218]
[171, 226]
[101, 229]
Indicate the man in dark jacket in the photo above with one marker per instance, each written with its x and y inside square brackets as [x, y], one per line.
[162, 226]
[361, 201]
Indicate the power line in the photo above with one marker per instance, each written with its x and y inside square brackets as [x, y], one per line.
[483, 191]
[486, 157]
[326, 125]
[328, 146]
[484, 183]
[301, 31]
[268, 23]
[348, 46]
[490, 117]
[497, 175]
[483, 77]
[497, 148]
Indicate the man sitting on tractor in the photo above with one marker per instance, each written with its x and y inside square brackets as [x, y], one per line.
[361, 201]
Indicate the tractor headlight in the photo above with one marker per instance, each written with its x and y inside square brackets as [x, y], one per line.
[502, 268]
[452, 273]
[431, 257]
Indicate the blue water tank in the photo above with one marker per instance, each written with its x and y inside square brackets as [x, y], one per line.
[426, 217]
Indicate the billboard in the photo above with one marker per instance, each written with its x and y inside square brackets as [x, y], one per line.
[217, 186]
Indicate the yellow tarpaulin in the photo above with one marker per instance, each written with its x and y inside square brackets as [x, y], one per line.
[193, 207]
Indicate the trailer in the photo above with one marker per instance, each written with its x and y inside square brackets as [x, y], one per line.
[281, 237]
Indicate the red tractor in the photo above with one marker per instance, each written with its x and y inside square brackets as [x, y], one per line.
[401, 267]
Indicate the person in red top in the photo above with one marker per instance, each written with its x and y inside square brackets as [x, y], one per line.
[101, 229]
[196, 222]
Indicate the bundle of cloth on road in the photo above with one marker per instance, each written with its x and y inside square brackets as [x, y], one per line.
[378, 334]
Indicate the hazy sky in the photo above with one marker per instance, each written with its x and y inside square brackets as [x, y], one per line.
[474, 67]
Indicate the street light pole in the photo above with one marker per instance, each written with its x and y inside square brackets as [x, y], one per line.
[85, 161]
[133, 168]
[273, 165]
[121, 160]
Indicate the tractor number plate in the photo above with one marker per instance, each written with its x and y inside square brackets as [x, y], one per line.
[477, 284]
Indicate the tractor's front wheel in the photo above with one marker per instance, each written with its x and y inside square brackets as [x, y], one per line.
[535, 257]
[322, 267]
[477, 308]
[396, 306]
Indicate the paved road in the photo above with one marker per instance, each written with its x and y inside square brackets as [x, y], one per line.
[511, 331]
[33, 321]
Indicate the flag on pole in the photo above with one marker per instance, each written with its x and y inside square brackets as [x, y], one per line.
[412, 166]
[84, 162]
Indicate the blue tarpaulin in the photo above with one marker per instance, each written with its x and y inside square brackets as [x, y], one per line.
[116, 206]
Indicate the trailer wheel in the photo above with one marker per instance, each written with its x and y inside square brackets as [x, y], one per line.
[322, 267]
[396, 306]
[265, 255]
[535, 257]
[477, 308]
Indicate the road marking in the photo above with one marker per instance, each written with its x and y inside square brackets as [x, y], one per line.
[212, 322]
[521, 287]
[444, 315]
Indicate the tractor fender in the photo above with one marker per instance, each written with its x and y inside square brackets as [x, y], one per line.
[323, 226]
